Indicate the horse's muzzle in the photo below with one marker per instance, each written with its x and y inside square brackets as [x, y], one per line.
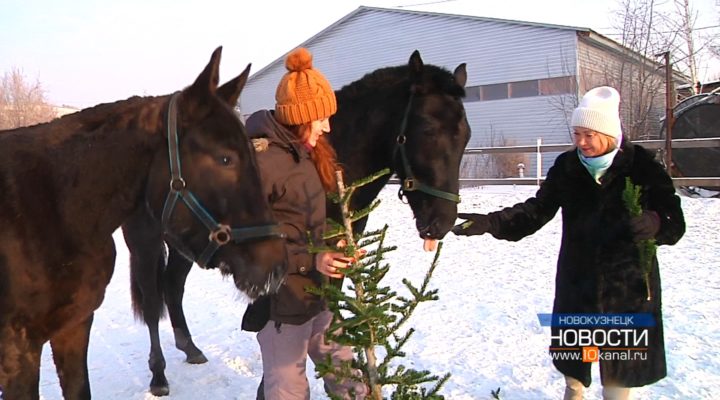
[435, 230]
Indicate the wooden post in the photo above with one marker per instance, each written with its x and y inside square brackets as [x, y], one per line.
[538, 173]
[669, 115]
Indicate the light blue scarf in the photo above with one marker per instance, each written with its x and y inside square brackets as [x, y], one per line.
[597, 166]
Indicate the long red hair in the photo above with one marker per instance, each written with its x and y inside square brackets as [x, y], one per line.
[323, 156]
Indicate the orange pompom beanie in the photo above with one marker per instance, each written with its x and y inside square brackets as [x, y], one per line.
[303, 95]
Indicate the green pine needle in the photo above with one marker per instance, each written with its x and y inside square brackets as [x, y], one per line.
[369, 315]
[646, 248]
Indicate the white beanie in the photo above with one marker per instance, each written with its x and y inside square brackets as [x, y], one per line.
[599, 110]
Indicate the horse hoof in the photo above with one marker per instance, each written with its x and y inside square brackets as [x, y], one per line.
[159, 390]
[198, 358]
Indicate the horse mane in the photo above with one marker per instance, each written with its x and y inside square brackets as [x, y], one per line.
[133, 113]
[383, 78]
[434, 79]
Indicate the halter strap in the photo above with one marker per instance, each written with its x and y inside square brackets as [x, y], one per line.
[220, 234]
[410, 183]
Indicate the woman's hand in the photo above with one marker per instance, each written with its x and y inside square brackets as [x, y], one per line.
[332, 264]
[645, 226]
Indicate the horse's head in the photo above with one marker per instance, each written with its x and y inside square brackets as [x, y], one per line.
[205, 188]
[430, 145]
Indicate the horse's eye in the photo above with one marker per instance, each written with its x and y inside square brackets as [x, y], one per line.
[225, 161]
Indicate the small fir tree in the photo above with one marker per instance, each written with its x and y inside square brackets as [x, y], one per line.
[647, 247]
[369, 316]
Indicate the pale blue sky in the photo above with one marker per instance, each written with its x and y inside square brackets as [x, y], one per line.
[86, 52]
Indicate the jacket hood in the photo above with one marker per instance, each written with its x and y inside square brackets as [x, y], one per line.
[262, 124]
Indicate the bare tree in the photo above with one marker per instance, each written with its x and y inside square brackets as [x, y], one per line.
[22, 103]
[493, 165]
[683, 45]
[635, 72]
[673, 28]
[566, 99]
[713, 41]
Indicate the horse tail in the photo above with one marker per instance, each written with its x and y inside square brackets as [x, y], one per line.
[147, 299]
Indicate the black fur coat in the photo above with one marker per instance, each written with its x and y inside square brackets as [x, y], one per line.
[597, 268]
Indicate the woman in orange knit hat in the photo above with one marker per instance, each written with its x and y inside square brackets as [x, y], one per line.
[297, 167]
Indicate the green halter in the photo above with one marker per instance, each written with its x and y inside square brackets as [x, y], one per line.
[410, 183]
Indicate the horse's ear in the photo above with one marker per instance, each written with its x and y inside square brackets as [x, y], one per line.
[207, 81]
[460, 75]
[230, 91]
[416, 65]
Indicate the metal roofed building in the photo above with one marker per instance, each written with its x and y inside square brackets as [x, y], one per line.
[524, 78]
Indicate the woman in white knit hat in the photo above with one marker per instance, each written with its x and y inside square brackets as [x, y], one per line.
[600, 280]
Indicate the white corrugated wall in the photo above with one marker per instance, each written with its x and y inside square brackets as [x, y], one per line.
[494, 51]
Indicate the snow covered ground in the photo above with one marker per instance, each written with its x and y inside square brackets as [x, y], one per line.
[484, 328]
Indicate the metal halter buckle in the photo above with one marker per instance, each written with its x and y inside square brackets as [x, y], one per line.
[177, 184]
[221, 235]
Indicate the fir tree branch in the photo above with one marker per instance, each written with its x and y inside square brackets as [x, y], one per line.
[369, 315]
[364, 212]
[371, 178]
[375, 389]
[647, 247]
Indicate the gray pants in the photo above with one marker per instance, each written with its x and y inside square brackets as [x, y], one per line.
[284, 356]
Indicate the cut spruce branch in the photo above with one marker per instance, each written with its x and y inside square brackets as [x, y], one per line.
[647, 247]
[369, 316]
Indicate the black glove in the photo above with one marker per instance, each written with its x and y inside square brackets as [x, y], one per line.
[645, 226]
[475, 224]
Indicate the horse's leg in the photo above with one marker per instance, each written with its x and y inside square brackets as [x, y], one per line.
[147, 297]
[19, 366]
[69, 349]
[146, 265]
[174, 279]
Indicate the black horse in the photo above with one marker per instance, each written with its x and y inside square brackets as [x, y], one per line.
[67, 185]
[408, 118]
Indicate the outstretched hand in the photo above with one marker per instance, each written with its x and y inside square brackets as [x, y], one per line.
[474, 224]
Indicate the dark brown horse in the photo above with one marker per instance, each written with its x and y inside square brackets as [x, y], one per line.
[66, 186]
[408, 118]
